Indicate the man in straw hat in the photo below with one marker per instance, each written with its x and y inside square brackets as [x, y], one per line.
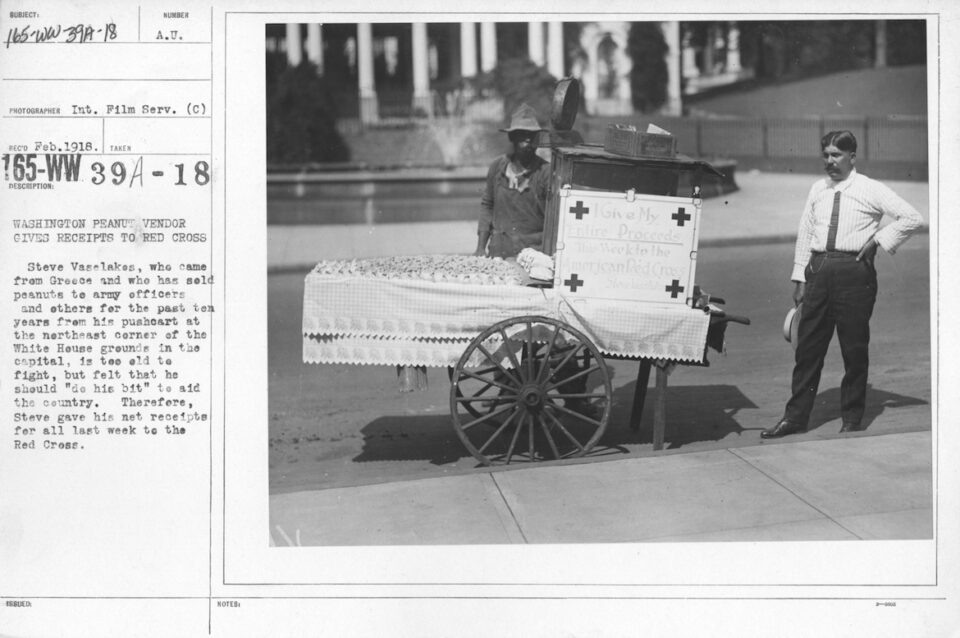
[512, 214]
[515, 195]
[834, 277]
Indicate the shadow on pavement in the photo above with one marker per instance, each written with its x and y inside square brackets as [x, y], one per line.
[827, 406]
[409, 438]
[694, 413]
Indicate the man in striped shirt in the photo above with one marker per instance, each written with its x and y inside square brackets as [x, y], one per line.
[834, 277]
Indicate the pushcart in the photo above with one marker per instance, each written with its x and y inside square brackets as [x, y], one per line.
[526, 360]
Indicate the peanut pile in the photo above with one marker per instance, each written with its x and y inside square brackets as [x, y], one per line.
[438, 268]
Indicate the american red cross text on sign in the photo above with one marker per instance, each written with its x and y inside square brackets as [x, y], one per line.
[629, 247]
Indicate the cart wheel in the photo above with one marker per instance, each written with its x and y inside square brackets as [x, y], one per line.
[476, 409]
[533, 388]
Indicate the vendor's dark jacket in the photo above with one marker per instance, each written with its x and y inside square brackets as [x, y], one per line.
[514, 217]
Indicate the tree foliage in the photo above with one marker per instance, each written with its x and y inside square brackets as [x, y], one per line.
[647, 48]
[301, 118]
[907, 42]
[518, 81]
[789, 49]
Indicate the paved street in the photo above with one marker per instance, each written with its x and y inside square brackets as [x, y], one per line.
[337, 426]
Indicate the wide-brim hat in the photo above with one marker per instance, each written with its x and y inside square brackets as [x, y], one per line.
[791, 325]
[524, 119]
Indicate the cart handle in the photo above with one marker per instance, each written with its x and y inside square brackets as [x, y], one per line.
[720, 314]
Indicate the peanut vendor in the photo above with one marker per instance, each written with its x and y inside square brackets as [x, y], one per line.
[515, 195]
[512, 210]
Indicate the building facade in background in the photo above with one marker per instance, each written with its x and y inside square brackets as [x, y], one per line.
[383, 71]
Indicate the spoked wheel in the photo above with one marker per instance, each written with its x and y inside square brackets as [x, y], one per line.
[474, 408]
[530, 389]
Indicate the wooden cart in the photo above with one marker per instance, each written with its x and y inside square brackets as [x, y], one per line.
[526, 363]
[529, 382]
[514, 404]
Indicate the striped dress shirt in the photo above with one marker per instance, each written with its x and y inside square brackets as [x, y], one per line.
[863, 203]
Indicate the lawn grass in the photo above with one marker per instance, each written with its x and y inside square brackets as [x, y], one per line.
[865, 92]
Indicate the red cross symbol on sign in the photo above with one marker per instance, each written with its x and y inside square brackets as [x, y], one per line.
[674, 288]
[574, 282]
[681, 216]
[580, 210]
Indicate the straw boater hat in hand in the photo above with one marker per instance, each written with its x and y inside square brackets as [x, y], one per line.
[791, 325]
[524, 119]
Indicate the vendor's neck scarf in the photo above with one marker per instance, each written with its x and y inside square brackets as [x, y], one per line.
[518, 180]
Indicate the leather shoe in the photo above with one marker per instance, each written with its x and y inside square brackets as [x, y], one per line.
[850, 427]
[782, 429]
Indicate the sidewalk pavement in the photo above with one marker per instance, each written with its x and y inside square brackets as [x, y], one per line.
[765, 209]
[858, 486]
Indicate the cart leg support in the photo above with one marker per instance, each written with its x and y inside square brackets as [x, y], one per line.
[660, 410]
[640, 394]
[659, 406]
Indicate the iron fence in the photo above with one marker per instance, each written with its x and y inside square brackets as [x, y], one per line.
[891, 147]
[893, 138]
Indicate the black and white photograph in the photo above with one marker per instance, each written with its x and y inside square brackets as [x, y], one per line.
[422, 320]
[602, 281]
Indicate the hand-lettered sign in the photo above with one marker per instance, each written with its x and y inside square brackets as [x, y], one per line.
[625, 247]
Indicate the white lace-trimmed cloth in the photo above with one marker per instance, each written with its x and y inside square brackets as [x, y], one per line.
[361, 320]
[639, 329]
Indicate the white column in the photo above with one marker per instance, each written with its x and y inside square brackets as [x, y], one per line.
[591, 80]
[880, 44]
[421, 70]
[555, 55]
[315, 46]
[733, 49]
[585, 70]
[535, 42]
[671, 33]
[624, 68]
[294, 45]
[369, 111]
[689, 57]
[468, 49]
[709, 49]
[488, 46]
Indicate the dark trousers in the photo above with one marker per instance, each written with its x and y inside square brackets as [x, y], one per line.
[840, 293]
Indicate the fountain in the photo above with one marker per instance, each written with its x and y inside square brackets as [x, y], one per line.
[460, 135]
[457, 139]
